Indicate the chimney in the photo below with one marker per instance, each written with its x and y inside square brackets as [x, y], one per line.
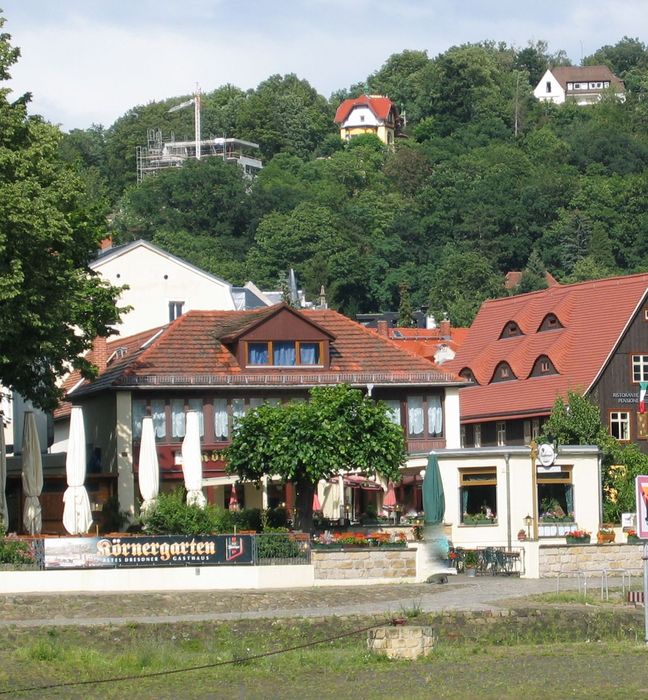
[100, 353]
[444, 328]
[105, 243]
[383, 328]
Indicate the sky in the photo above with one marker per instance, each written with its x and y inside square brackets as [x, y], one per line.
[88, 62]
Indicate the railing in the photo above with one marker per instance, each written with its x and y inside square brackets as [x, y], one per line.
[281, 548]
[289, 378]
[490, 560]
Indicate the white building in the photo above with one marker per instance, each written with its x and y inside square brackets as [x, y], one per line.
[580, 84]
[161, 286]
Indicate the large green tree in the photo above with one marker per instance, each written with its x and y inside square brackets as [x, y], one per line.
[51, 306]
[338, 429]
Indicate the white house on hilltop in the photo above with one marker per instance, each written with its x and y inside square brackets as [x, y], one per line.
[583, 85]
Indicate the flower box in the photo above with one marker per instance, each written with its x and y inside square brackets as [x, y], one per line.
[578, 540]
[633, 539]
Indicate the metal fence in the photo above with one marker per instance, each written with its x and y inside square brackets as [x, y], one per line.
[281, 548]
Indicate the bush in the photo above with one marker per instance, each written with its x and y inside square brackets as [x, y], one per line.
[277, 545]
[15, 551]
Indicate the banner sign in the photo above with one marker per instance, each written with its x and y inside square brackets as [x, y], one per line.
[144, 551]
[642, 506]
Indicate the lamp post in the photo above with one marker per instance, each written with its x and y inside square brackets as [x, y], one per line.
[527, 521]
[534, 487]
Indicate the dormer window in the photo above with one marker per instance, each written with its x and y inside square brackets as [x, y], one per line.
[511, 330]
[549, 323]
[503, 373]
[467, 374]
[543, 366]
[284, 353]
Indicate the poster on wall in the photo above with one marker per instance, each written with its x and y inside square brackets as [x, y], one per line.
[143, 551]
[641, 483]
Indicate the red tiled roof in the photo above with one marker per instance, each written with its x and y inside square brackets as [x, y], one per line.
[192, 350]
[426, 341]
[574, 74]
[513, 278]
[594, 315]
[380, 106]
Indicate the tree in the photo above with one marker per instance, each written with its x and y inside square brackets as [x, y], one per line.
[339, 429]
[533, 276]
[405, 311]
[51, 305]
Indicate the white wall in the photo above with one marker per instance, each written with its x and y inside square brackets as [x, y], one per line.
[514, 491]
[556, 95]
[355, 118]
[156, 278]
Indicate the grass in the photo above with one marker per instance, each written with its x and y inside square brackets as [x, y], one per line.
[553, 652]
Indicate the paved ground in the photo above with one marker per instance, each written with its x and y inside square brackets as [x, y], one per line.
[460, 593]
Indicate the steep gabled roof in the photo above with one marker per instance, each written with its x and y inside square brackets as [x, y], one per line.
[594, 316]
[196, 350]
[379, 105]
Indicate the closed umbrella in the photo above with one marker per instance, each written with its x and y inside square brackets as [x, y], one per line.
[32, 476]
[4, 511]
[389, 501]
[316, 503]
[77, 516]
[233, 500]
[148, 473]
[433, 496]
[192, 461]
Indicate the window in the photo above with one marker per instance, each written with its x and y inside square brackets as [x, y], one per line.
[178, 422]
[549, 323]
[175, 309]
[424, 416]
[284, 353]
[467, 374]
[511, 330]
[503, 373]
[393, 411]
[548, 86]
[555, 494]
[462, 436]
[501, 433]
[640, 368]
[221, 419]
[158, 411]
[478, 494]
[197, 405]
[139, 411]
[531, 430]
[620, 425]
[542, 366]
[238, 410]
[477, 435]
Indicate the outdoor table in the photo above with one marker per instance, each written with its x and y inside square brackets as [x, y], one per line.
[603, 573]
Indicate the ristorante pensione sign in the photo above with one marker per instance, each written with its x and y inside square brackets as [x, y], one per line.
[146, 551]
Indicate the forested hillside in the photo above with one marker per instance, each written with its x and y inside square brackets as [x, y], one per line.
[488, 180]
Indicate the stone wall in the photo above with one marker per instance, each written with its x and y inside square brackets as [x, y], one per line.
[402, 642]
[364, 563]
[564, 560]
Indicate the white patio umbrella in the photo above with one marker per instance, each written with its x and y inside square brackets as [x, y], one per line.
[148, 467]
[4, 511]
[77, 516]
[32, 475]
[192, 461]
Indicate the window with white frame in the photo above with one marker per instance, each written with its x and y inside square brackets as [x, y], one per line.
[501, 433]
[640, 368]
[175, 309]
[620, 425]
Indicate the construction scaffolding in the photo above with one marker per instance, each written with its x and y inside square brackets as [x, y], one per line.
[159, 154]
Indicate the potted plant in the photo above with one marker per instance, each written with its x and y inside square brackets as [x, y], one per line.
[578, 537]
[471, 561]
[605, 535]
[632, 537]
